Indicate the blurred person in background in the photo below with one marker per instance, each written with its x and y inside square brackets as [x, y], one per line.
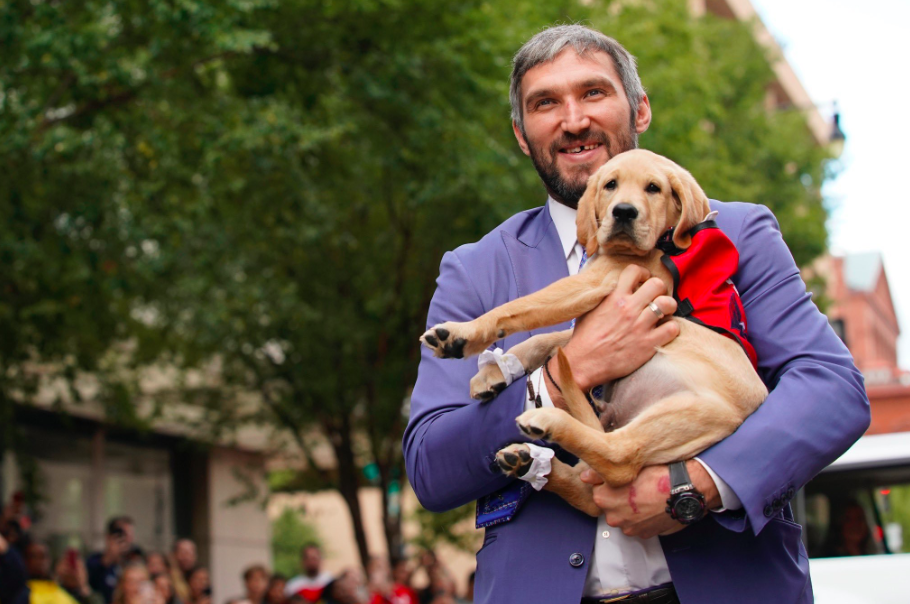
[41, 586]
[185, 556]
[382, 586]
[310, 584]
[164, 586]
[72, 575]
[256, 583]
[182, 561]
[104, 567]
[200, 586]
[157, 564]
[15, 521]
[13, 576]
[849, 534]
[441, 589]
[401, 576]
[134, 586]
[439, 581]
[274, 593]
[348, 588]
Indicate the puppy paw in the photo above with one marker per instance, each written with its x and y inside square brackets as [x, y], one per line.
[541, 423]
[451, 340]
[514, 460]
[488, 383]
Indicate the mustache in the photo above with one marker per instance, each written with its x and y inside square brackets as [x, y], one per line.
[573, 140]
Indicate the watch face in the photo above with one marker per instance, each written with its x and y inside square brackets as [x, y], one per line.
[688, 508]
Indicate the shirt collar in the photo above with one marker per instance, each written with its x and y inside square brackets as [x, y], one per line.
[564, 218]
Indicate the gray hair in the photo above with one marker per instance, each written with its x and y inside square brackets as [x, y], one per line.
[544, 47]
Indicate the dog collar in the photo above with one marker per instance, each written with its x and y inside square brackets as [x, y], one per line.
[666, 245]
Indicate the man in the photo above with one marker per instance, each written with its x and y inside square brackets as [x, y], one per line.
[13, 575]
[255, 582]
[312, 582]
[383, 585]
[577, 100]
[104, 567]
[43, 589]
[349, 587]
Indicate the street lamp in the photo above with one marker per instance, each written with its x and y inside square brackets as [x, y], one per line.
[838, 138]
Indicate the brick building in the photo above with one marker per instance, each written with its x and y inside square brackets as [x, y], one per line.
[862, 313]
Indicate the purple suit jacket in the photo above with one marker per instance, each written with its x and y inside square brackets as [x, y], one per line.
[817, 408]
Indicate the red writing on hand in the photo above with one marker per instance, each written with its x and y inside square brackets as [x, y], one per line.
[632, 500]
[663, 485]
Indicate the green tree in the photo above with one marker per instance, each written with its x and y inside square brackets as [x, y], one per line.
[267, 188]
[289, 534]
[707, 81]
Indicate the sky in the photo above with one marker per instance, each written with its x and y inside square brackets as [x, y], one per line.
[856, 53]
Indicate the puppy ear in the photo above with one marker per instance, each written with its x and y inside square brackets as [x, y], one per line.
[586, 221]
[693, 205]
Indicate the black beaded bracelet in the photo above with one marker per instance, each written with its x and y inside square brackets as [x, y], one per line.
[546, 368]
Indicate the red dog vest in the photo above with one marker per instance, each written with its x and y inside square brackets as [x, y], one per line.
[702, 282]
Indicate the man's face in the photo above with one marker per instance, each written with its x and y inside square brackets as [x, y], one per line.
[37, 561]
[256, 584]
[275, 592]
[311, 560]
[185, 554]
[129, 533]
[576, 117]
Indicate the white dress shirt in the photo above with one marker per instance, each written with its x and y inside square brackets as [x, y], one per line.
[619, 564]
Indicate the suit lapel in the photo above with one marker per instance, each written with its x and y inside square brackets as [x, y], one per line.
[537, 258]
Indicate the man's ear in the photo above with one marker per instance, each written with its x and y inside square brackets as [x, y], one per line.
[521, 138]
[586, 221]
[643, 115]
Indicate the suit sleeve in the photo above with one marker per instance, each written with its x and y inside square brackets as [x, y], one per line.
[451, 440]
[817, 406]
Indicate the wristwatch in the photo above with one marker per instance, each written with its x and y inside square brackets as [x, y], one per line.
[685, 505]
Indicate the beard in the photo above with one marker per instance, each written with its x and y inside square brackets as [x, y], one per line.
[566, 189]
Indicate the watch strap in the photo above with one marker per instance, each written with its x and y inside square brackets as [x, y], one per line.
[679, 476]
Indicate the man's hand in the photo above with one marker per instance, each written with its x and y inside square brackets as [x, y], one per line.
[639, 509]
[622, 333]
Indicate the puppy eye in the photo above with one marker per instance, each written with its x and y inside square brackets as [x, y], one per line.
[611, 185]
[652, 188]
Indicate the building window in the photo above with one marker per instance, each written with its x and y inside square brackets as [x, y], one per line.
[840, 330]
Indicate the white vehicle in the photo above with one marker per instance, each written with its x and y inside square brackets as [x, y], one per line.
[856, 516]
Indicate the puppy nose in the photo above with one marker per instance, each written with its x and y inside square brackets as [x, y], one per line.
[625, 212]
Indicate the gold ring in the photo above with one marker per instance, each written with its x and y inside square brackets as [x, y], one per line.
[656, 310]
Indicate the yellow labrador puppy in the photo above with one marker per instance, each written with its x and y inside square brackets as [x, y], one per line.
[694, 392]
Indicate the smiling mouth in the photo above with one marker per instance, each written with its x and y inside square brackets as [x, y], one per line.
[580, 148]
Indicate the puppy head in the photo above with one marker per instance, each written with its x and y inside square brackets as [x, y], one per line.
[633, 199]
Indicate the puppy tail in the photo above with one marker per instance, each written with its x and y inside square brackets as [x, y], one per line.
[576, 401]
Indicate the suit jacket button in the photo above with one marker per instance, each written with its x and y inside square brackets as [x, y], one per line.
[776, 504]
[576, 560]
[769, 511]
[790, 493]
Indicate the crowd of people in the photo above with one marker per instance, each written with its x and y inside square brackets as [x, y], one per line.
[383, 583]
[125, 573]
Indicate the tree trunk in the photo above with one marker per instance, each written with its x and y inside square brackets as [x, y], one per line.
[349, 483]
[391, 511]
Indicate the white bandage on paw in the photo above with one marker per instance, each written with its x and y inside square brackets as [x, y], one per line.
[540, 466]
[508, 363]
